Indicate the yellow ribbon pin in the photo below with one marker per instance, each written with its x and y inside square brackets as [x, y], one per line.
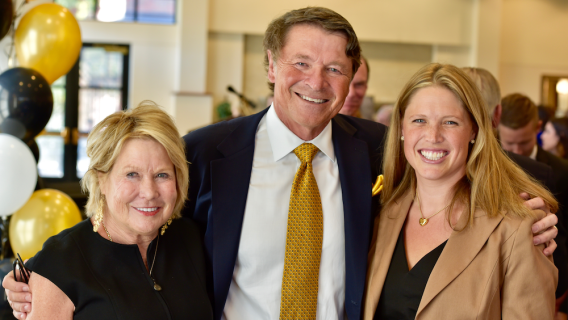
[378, 186]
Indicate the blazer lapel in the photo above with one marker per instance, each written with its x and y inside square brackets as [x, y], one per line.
[390, 224]
[230, 177]
[356, 181]
[462, 247]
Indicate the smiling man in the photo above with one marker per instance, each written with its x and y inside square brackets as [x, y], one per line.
[249, 200]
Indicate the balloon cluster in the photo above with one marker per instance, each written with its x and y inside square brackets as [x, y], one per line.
[47, 42]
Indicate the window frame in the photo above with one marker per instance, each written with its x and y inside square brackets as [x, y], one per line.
[69, 183]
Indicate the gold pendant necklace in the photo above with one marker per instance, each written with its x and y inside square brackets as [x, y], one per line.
[423, 221]
[157, 287]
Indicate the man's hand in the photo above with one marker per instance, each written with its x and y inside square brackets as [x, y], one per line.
[18, 295]
[544, 230]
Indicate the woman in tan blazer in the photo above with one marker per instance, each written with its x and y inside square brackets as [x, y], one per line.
[454, 240]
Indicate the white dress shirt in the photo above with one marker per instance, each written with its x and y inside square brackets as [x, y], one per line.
[534, 152]
[256, 286]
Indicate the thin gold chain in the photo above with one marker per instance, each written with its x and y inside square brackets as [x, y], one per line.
[420, 208]
[155, 251]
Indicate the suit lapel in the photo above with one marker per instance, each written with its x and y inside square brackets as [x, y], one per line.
[462, 247]
[356, 181]
[390, 224]
[230, 177]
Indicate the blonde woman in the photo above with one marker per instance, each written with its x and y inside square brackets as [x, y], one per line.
[454, 240]
[132, 259]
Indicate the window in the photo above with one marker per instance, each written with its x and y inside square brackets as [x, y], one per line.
[94, 88]
[142, 11]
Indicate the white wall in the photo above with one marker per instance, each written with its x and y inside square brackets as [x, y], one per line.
[152, 57]
[533, 43]
[410, 21]
[225, 69]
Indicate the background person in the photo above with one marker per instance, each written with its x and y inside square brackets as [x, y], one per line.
[384, 114]
[357, 90]
[453, 240]
[140, 262]
[555, 137]
[518, 127]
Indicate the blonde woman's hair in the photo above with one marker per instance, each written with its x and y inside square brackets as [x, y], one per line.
[105, 142]
[492, 182]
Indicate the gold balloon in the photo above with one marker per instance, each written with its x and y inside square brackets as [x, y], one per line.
[48, 40]
[46, 213]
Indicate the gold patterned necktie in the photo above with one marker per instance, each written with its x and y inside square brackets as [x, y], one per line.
[303, 242]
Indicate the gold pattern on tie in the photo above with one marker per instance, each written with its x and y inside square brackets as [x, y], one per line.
[303, 242]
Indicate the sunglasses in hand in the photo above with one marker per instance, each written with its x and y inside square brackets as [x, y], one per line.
[24, 272]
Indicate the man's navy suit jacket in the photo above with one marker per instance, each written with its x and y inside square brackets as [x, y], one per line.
[220, 163]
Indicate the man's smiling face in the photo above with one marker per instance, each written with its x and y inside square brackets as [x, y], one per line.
[311, 79]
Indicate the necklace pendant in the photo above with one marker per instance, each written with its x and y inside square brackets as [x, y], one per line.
[423, 221]
[157, 287]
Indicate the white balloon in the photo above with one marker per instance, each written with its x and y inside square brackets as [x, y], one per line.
[18, 174]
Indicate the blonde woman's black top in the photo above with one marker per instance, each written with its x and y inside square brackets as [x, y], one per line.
[403, 288]
[107, 280]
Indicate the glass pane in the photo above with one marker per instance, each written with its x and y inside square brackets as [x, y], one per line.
[111, 10]
[101, 68]
[130, 11]
[57, 120]
[116, 10]
[50, 156]
[82, 160]
[95, 105]
[82, 9]
[157, 11]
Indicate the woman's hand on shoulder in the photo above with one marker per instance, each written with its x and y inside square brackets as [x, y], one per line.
[544, 230]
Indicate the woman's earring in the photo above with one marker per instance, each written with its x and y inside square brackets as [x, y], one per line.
[472, 141]
[401, 138]
[165, 226]
[99, 214]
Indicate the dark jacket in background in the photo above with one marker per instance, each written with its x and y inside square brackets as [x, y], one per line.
[552, 172]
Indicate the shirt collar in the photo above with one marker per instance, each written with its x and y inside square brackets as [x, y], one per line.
[283, 141]
[533, 153]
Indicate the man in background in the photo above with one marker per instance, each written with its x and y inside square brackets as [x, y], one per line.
[384, 114]
[357, 90]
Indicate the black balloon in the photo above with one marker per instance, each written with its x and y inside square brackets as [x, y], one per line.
[6, 16]
[25, 102]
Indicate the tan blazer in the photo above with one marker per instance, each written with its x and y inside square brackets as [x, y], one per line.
[489, 271]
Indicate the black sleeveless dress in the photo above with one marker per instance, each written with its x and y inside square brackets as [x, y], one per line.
[403, 288]
[107, 280]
